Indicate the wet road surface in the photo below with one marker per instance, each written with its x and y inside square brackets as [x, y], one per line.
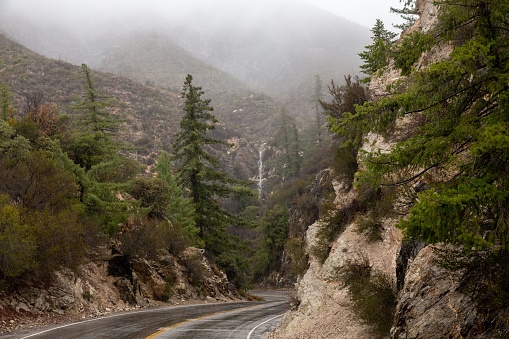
[246, 320]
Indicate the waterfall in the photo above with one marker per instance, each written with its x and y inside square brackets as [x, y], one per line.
[260, 171]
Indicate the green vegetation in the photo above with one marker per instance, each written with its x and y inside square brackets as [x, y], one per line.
[66, 188]
[373, 295]
[199, 173]
[377, 55]
[460, 106]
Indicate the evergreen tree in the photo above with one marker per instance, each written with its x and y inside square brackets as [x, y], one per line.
[199, 172]
[376, 56]
[318, 114]
[291, 146]
[408, 13]
[456, 157]
[93, 140]
[179, 211]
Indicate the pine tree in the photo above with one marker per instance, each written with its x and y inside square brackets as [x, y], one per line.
[408, 13]
[179, 211]
[96, 118]
[291, 146]
[93, 141]
[458, 148]
[318, 114]
[198, 170]
[377, 54]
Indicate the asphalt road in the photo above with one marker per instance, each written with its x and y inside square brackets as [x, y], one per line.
[246, 320]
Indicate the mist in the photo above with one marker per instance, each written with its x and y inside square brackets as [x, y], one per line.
[270, 45]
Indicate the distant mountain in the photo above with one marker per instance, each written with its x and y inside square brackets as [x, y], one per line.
[277, 47]
[273, 46]
[152, 114]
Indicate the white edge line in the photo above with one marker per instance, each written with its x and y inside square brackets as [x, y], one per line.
[260, 324]
[99, 318]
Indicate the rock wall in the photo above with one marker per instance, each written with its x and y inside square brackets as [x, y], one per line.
[113, 284]
[322, 303]
[432, 305]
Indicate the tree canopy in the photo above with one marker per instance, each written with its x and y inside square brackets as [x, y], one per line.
[198, 169]
[457, 147]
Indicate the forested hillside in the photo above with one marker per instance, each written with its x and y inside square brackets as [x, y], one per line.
[275, 47]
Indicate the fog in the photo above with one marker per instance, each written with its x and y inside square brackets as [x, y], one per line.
[265, 43]
[92, 15]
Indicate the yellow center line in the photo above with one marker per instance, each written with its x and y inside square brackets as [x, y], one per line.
[169, 328]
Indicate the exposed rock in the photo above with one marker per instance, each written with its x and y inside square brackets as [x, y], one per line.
[324, 306]
[110, 285]
[431, 305]
[408, 251]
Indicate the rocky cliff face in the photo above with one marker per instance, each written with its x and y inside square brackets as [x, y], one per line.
[114, 283]
[323, 306]
[430, 301]
[432, 305]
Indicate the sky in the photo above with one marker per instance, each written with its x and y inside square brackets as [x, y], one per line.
[363, 12]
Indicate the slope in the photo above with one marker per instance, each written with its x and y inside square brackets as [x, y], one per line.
[152, 113]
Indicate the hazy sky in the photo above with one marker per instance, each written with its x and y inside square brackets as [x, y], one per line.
[364, 12]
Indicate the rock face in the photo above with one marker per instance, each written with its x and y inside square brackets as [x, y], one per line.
[323, 307]
[432, 306]
[115, 284]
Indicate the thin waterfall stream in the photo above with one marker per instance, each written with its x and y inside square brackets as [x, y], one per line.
[260, 170]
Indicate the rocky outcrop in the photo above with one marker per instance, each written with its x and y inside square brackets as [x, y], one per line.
[115, 284]
[323, 308]
[432, 305]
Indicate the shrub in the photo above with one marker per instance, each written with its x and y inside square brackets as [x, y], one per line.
[194, 264]
[370, 227]
[299, 260]
[334, 222]
[373, 296]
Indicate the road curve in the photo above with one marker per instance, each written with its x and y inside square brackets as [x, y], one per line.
[218, 320]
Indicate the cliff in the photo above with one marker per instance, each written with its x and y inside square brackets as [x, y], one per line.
[438, 291]
[113, 283]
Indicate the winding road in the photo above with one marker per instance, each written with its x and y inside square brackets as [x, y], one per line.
[246, 320]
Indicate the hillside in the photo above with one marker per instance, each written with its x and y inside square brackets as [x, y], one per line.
[414, 242]
[275, 47]
[152, 113]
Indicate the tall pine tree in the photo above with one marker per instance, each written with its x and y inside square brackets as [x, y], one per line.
[199, 172]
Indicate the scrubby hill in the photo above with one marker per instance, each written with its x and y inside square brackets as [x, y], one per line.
[152, 113]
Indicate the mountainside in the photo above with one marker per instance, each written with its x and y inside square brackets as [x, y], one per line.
[152, 113]
[276, 46]
[415, 244]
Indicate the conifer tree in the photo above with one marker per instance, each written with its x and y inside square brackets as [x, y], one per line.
[376, 56]
[318, 114]
[291, 146]
[198, 169]
[180, 211]
[455, 158]
[408, 13]
[96, 127]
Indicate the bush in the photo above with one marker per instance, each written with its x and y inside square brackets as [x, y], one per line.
[194, 264]
[143, 237]
[373, 295]
[334, 222]
[370, 227]
[296, 250]
[17, 244]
